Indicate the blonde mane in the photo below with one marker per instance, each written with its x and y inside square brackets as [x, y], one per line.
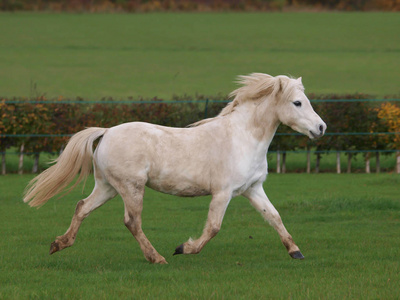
[255, 86]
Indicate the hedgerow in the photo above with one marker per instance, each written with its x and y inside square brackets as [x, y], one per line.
[43, 125]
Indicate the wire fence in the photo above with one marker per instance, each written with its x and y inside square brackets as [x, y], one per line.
[177, 101]
[277, 134]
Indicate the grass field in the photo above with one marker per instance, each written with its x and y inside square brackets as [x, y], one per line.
[161, 54]
[347, 226]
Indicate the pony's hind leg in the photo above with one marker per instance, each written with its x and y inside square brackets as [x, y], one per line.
[132, 193]
[100, 194]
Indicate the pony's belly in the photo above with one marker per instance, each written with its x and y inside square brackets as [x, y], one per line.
[180, 188]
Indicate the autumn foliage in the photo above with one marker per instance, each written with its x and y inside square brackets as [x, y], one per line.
[389, 113]
[195, 5]
[46, 126]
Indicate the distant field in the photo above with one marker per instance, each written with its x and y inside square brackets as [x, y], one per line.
[347, 226]
[161, 54]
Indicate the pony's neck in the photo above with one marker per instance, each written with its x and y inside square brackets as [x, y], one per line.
[258, 120]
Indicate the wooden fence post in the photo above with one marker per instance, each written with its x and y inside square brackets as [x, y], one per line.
[367, 163]
[278, 162]
[21, 159]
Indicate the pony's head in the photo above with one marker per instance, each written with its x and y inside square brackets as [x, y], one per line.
[286, 96]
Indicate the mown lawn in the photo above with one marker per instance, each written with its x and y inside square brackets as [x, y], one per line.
[162, 54]
[347, 226]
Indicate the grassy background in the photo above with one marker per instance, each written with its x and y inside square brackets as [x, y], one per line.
[161, 54]
[346, 226]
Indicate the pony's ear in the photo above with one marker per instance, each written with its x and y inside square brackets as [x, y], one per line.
[280, 85]
[299, 80]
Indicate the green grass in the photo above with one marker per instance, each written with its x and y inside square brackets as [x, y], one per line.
[161, 54]
[347, 226]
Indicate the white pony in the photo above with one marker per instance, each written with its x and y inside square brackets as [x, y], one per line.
[223, 156]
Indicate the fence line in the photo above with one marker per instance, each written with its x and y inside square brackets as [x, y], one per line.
[340, 133]
[35, 135]
[269, 151]
[278, 133]
[172, 101]
[111, 101]
[333, 151]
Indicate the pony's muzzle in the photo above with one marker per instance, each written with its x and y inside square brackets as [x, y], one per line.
[321, 129]
[319, 132]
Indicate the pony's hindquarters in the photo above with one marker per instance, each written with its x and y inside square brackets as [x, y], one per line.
[76, 158]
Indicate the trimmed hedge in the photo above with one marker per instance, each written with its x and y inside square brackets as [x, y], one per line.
[53, 119]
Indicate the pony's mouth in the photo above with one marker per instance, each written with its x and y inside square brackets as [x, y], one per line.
[313, 135]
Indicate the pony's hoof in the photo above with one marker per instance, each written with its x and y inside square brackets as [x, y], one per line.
[163, 262]
[179, 250]
[296, 255]
[54, 247]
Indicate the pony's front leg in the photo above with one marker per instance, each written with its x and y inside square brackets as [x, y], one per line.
[216, 213]
[260, 201]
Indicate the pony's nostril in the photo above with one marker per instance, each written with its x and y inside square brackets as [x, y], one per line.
[321, 128]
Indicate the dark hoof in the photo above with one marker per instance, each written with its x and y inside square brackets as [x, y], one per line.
[179, 250]
[54, 247]
[296, 255]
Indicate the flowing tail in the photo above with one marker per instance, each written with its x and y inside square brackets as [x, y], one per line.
[76, 158]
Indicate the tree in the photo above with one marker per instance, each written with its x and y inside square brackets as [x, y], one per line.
[390, 114]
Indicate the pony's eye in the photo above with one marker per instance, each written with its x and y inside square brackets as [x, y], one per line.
[297, 103]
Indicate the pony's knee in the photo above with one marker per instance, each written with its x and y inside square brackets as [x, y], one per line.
[273, 218]
[276, 217]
